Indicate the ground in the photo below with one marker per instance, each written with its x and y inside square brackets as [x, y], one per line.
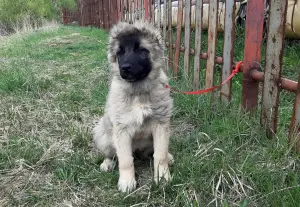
[53, 85]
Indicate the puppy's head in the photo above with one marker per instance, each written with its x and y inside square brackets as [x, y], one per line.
[135, 51]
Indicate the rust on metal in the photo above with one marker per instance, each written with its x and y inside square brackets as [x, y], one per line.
[198, 43]
[294, 134]
[273, 66]
[178, 38]
[253, 41]
[170, 56]
[283, 83]
[228, 50]
[203, 55]
[187, 38]
[212, 39]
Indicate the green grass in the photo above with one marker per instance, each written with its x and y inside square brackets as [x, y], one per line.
[53, 84]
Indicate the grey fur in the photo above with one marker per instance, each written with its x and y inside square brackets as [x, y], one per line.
[137, 115]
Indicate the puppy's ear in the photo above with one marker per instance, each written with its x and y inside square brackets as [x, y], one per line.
[113, 43]
[150, 31]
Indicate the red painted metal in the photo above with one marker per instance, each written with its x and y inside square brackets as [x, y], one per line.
[252, 54]
[178, 38]
[294, 135]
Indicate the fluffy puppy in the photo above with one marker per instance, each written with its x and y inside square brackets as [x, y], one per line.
[139, 107]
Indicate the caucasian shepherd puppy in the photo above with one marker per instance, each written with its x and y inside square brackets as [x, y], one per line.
[139, 107]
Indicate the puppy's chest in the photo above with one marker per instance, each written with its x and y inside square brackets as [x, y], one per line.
[133, 111]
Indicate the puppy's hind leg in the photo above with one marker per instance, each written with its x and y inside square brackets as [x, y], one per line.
[103, 140]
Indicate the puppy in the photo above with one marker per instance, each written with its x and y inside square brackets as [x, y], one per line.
[139, 107]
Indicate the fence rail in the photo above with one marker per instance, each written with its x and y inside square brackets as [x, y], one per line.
[104, 14]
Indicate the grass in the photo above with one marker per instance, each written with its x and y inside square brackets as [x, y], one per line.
[53, 84]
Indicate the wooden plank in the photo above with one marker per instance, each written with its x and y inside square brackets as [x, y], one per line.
[228, 50]
[153, 12]
[178, 38]
[187, 39]
[165, 21]
[170, 56]
[212, 39]
[198, 43]
[119, 16]
[273, 65]
[130, 10]
[142, 10]
[294, 134]
[146, 8]
[158, 13]
[252, 54]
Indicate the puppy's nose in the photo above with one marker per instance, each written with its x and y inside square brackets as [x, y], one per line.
[126, 67]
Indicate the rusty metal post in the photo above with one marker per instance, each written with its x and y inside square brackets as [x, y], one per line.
[294, 134]
[273, 66]
[252, 54]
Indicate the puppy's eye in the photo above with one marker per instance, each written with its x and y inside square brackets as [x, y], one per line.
[121, 51]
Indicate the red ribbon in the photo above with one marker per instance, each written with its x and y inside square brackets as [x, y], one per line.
[203, 91]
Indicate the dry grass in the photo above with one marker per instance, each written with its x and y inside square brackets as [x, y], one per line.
[53, 85]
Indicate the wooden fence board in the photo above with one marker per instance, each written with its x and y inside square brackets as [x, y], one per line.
[142, 10]
[153, 11]
[146, 8]
[178, 38]
[158, 13]
[198, 44]
[228, 50]
[212, 39]
[170, 34]
[294, 135]
[165, 21]
[274, 56]
[187, 38]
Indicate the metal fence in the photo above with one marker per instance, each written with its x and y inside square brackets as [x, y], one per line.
[103, 14]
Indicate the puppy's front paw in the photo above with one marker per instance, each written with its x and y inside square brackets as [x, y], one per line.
[126, 185]
[107, 165]
[162, 171]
